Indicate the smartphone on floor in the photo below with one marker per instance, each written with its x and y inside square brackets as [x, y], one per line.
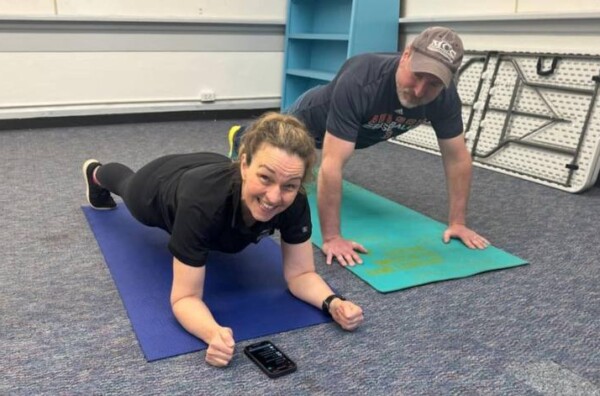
[270, 359]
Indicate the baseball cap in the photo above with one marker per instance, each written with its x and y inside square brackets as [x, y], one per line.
[438, 51]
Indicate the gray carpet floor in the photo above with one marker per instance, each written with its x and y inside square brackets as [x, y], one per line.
[529, 330]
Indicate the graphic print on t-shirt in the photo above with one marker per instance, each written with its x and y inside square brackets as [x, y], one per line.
[392, 124]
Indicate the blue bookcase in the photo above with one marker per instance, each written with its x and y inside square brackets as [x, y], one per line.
[321, 34]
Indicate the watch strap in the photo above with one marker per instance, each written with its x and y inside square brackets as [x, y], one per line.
[327, 302]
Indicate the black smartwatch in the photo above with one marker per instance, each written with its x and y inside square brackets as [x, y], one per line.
[327, 302]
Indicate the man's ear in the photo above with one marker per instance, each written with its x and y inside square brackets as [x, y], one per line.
[406, 53]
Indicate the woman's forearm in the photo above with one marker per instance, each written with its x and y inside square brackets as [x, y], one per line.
[309, 287]
[193, 314]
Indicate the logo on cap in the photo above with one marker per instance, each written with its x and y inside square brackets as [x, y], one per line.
[443, 48]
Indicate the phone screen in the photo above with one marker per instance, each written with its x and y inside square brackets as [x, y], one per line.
[270, 359]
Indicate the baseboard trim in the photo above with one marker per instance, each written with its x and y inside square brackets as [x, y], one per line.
[108, 119]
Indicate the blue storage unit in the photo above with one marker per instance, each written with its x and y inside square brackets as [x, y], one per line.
[321, 34]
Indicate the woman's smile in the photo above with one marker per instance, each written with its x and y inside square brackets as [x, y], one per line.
[270, 183]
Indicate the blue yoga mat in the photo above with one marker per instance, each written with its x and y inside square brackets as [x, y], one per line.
[405, 247]
[245, 291]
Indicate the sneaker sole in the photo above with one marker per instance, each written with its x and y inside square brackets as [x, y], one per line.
[87, 190]
[231, 137]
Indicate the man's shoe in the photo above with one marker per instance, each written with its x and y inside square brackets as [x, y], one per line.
[98, 197]
[234, 136]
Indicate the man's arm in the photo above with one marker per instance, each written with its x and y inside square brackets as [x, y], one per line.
[194, 315]
[305, 284]
[458, 169]
[335, 154]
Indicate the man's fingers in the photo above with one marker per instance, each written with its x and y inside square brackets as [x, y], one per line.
[329, 258]
[343, 251]
[482, 241]
[446, 237]
[340, 258]
[475, 241]
[468, 242]
[357, 246]
[357, 258]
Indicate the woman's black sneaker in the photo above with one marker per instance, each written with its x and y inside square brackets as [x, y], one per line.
[98, 197]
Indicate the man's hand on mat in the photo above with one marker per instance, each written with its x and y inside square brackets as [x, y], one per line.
[469, 237]
[347, 314]
[220, 348]
[343, 250]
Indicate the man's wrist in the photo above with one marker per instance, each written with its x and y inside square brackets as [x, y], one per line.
[331, 237]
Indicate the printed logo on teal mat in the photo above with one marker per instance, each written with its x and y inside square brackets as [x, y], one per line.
[403, 259]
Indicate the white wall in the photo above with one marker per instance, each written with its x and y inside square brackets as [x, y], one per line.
[75, 57]
[246, 9]
[71, 57]
[518, 25]
[431, 8]
[26, 7]
[49, 84]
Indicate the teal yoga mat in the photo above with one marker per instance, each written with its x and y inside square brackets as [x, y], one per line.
[405, 247]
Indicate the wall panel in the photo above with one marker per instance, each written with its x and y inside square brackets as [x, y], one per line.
[27, 7]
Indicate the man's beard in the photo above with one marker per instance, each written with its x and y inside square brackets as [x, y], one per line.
[409, 101]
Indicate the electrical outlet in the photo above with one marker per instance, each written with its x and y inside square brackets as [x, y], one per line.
[207, 95]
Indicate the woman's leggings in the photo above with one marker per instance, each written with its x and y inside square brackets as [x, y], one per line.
[132, 187]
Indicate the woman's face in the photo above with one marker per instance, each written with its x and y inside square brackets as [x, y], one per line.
[270, 183]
